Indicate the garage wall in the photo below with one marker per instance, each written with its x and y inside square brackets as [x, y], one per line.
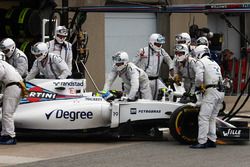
[126, 32]
[231, 38]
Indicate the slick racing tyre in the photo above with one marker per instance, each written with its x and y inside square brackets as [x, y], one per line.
[183, 124]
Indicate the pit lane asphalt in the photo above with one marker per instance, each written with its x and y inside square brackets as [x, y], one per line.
[75, 151]
[145, 154]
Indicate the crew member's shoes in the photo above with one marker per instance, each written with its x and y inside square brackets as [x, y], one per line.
[199, 146]
[210, 143]
[7, 140]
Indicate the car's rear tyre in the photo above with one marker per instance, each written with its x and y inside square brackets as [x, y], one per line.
[183, 124]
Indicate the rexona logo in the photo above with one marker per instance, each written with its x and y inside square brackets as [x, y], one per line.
[232, 133]
[72, 83]
[69, 115]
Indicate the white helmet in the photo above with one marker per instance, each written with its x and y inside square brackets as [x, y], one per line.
[202, 41]
[156, 41]
[183, 38]
[2, 56]
[61, 34]
[120, 60]
[7, 46]
[39, 50]
[181, 51]
[201, 51]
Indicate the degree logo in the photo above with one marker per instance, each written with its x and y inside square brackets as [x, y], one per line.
[69, 115]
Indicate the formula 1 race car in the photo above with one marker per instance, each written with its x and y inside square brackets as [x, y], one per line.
[65, 106]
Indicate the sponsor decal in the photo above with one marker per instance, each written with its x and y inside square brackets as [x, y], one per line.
[133, 110]
[37, 94]
[72, 83]
[72, 91]
[46, 95]
[93, 98]
[69, 115]
[231, 133]
[149, 111]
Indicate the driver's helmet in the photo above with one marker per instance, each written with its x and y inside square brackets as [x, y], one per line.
[61, 34]
[202, 41]
[181, 52]
[183, 38]
[39, 50]
[120, 60]
[2, 56]
[201, 51]
[156, 41]
[7, 46]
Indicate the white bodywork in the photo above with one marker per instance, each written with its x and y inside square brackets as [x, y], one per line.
[64, 105]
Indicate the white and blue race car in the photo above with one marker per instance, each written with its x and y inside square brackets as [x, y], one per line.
[65, 106]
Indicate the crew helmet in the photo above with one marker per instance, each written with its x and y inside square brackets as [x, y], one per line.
[201, 51]
[7, 46]
[202, 41]
[2, 56]
[120, 60]
[156, 41]
[181, 51]
[61, 34]
[39, 50]
[183, 38]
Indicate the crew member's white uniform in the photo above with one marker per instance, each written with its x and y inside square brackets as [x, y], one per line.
[150, 61]
[135, 81]
[64, 50]
[52, 68]
[19, 60]
[208, 73]
[187, 73]
[11, 97]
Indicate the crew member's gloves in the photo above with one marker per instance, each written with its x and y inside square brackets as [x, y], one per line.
[125, 98]
[201, 88]
[116, 93]
[177, 80]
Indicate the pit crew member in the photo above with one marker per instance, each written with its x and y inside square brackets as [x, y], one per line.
[184, 38]
[13, 85]
[60, 46]
[208, 79]
[14, 56]
[150, 59]
[185, 66]
[213, 53]
[136, 82]
[48, 64]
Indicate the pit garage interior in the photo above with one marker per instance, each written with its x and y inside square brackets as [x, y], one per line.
[110, 30]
